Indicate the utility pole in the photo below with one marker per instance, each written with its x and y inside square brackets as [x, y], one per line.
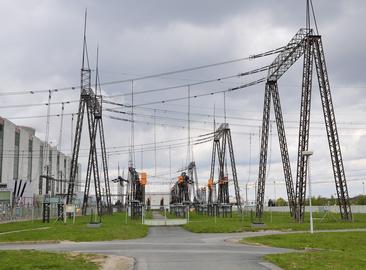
[72, 128]
[274, 187]
[46, 147]
[132, 128]
[246, 193]
[308, 154]
[250, 156]
[170, 163]
[189, 127]
[155, 144]
[61, 126]
[142, 157]
[225, 107]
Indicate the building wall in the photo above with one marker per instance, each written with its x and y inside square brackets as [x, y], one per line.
[8, 152]
[155, 198]
[37, 167]
[31, 165]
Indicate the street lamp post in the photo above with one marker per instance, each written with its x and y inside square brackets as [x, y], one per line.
[275, 195]
[308, 154]
[246, 193]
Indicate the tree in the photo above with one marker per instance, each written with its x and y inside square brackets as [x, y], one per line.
[281, 202]
[359, 200]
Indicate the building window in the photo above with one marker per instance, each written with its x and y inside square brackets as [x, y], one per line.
[1, 150]
[16, 155]
[30, 159]
[40, 169]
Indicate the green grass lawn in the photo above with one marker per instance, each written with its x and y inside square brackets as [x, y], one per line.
[148, 214]
[36, 260]
[340, 250]
[279, 221]
[113, 227]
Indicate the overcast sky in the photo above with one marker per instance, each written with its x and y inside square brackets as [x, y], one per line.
[41, 44]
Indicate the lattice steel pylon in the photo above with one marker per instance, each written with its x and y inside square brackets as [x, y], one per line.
[92, 103]
[310, 45]
[222, 143]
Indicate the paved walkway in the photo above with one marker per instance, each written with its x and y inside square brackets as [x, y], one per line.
[157, 215]
[160, 220]
[174, 248]
[26, 230]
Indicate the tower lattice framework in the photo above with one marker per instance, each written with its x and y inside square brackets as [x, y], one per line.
[304, 43]
[221, 144]
[92, 103]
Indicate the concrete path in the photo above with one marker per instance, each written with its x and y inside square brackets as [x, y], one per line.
[175, 248]
[26, 230]
[157, 215]
[160, 220]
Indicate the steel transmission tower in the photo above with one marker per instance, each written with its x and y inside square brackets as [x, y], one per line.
[306, 43]
[93, 105]
[222, 143]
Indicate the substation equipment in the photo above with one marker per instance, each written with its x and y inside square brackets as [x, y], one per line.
[218, 202]
[136, 198]
[186, 192]
[92, 103]
[123, 183]
[308, 44]
[180, 199]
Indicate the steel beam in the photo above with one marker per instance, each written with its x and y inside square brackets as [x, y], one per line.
[331, 128]
[263, 152]
[283, 145]
[304, 125]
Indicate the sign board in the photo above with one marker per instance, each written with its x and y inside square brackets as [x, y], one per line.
[5, 195]
[54, 200]
[70, 208]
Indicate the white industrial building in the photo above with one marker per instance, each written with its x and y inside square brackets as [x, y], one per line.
[156, 198]
[22, 163]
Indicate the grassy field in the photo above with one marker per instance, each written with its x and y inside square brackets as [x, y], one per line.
[36, 260]
[346, 250]
[113, 227]
[278, 221]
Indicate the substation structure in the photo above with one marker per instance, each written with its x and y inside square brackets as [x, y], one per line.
[186, 192]
[218, 202]
[180, 195]
[136, 192]
[92, 103]
[304, 43]
[124, 184]
[215, 200]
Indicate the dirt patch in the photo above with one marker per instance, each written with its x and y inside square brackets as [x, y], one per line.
[113, 262]
[108, 262]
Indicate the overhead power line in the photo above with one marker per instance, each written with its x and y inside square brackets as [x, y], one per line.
[205, 94]
[32, 92]
[36, 104]
[251, 72]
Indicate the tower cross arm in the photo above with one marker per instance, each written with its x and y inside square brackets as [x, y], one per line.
[292, 52]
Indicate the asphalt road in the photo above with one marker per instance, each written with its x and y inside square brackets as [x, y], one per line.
[174, 248]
